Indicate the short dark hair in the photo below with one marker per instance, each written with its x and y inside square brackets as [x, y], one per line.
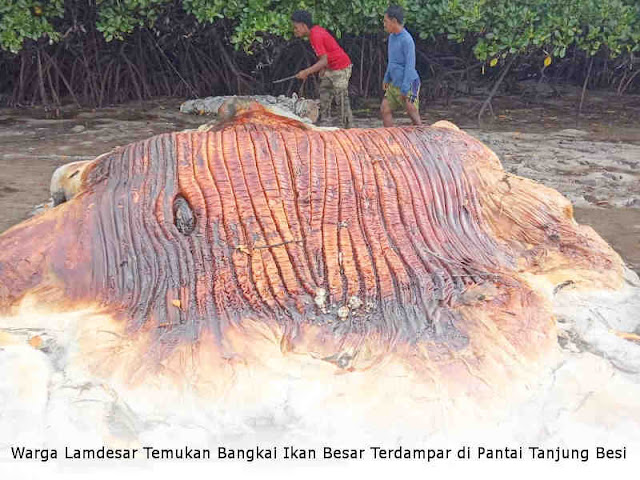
[302, 16]
[396, 11]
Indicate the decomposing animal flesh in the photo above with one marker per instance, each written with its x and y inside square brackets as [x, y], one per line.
[349, 245]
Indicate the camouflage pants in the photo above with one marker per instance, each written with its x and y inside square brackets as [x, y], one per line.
[335, 84]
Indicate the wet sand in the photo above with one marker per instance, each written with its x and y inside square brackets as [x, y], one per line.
[618, 226]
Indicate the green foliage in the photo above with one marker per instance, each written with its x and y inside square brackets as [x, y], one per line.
[356, 17]
[117, 18]
[255, 18]
[492, 29]
[497, 28]
[27, 19]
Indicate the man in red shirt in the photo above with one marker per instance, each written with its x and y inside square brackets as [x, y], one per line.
[333, 67]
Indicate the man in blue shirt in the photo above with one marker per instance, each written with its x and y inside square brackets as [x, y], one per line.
[401, 82]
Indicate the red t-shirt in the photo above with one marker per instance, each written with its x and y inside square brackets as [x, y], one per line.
[324, 44]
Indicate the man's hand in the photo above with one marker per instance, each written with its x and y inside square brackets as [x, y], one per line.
[302, 75]
[385, 86]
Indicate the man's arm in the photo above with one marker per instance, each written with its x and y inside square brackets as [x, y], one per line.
[387, 73]
[387, 76]
[316, 67]
[316, 38]
[409, 50]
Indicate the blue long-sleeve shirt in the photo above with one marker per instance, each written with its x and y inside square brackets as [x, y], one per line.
[401, 70]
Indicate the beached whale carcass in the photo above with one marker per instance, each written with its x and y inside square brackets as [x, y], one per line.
[351, 247]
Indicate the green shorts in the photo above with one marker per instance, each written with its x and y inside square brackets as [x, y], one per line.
[393, 96]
